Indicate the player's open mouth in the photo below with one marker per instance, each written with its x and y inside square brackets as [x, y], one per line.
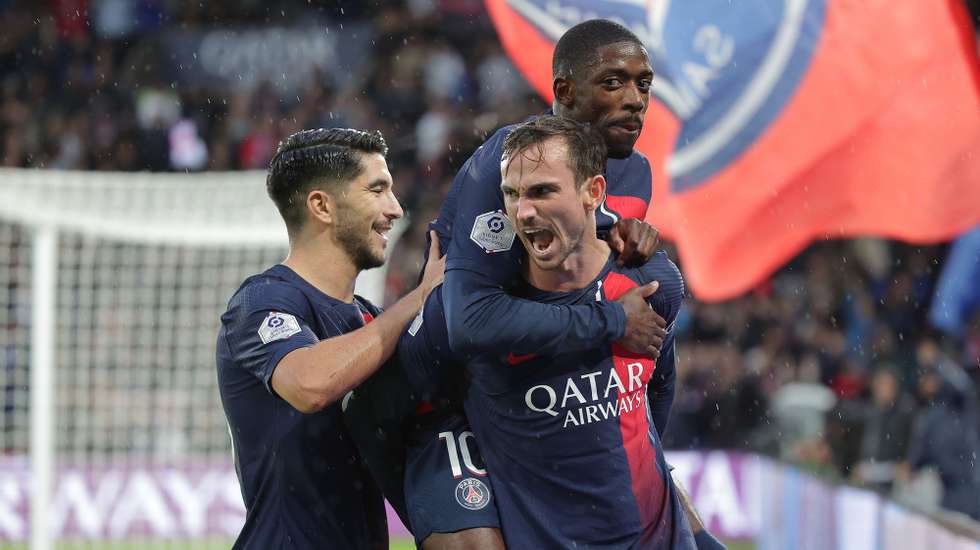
[539, 240]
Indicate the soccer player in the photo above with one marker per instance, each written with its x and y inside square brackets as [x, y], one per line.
[295, 339]
[575, 428]
[602, 76]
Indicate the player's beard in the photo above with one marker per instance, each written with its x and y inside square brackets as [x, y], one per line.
[356, 241]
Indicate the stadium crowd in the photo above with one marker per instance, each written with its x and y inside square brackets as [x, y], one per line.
[831, 363]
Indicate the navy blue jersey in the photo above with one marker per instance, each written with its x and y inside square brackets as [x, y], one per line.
[587, 469]
[301, 478]
[569, 440]
[484, 262]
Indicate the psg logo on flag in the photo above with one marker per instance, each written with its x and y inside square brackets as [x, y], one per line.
[472, 494]
[726, 70]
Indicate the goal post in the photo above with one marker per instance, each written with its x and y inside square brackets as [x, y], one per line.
[111, 288]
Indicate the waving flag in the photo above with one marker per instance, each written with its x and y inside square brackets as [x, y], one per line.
[776, 122]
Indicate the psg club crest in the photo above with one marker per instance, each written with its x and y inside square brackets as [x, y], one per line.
[472, 494]
[725, 69]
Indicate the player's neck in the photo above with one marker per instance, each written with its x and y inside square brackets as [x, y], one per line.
[323, 264]
[577, 271]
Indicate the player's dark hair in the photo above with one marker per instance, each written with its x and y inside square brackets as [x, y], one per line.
[323, 158]
[585, 146]
[578, 48]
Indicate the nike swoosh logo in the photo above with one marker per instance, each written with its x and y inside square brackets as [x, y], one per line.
[518, 359]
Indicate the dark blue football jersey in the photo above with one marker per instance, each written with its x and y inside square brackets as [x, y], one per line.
[569, 440]
[484, 261]
[302, 481]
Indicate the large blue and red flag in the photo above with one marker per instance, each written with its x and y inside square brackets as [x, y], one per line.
[782, 121]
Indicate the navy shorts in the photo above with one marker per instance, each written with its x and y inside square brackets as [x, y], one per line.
[446, 484]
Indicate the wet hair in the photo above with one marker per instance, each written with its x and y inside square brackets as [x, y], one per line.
[578, 48]
[585, 146]
[321, 158]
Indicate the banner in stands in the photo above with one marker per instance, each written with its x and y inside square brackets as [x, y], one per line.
[776, 123]
[284, 57]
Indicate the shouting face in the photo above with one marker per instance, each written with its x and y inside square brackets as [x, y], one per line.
[551, 212]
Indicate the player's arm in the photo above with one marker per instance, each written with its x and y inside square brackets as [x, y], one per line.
[310, 378]
[702, 538]
[661, 389]
[483, 262]
[483, 318]
[667, 301]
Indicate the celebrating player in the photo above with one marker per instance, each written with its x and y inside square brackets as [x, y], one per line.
[295, 339]
[575, 427]
[602, 76]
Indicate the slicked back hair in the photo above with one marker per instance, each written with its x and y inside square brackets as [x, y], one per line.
[578, 48]
[322, 158]
[584, 144]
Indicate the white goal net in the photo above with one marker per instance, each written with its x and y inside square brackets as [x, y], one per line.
[111, 287]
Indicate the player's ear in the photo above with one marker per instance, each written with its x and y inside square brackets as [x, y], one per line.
[594, 190]
[321, 206]
[564, 90]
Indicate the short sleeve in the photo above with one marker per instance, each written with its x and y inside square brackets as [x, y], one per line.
[265, 321]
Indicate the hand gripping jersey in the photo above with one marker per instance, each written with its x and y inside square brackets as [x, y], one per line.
[301, 479]
[569, 440]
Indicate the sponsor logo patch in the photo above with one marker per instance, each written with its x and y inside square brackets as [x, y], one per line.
[472, 494]
[278, 326]
[493, 232]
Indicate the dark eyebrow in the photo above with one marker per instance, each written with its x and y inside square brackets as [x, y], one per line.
[543, 185]
[623, 73]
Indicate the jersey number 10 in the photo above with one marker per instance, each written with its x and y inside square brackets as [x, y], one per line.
[462, 450]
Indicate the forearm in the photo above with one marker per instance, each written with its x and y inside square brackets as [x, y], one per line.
[312, 378]
[482, 319]
[662, 386]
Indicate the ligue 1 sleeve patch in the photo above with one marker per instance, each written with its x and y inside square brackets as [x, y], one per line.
[278, 326]
[493, 232]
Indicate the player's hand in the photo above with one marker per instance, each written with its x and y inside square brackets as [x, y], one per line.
[693, 518]
[634, 240]
[434, 267]
[645, 329]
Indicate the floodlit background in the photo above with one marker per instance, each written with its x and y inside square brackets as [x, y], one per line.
[832, 405]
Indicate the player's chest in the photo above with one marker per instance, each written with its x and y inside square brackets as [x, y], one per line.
[583, 393]
[334, 319]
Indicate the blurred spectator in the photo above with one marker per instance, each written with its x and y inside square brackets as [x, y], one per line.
[887, 426]
[945, 434]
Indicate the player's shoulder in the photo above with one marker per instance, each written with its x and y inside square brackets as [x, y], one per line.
[495, 142]
[662, 269]
[273, 289]
[638, 156]
[635, 166]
